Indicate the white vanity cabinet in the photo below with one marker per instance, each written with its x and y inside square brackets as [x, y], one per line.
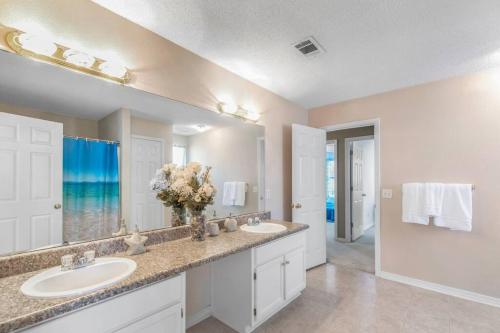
[249, 287]
[158, 308]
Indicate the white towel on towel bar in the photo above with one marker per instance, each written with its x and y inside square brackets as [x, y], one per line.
[414, 204]
[433, 193]
[456, 212]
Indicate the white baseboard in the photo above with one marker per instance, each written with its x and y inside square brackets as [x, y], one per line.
[198, 317]
[460, 293]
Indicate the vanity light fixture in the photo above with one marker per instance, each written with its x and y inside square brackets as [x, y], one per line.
[238, 112]
[40, 48]
[78, 58]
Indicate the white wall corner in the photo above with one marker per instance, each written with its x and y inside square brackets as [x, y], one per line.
[450, 291]
[198, 317]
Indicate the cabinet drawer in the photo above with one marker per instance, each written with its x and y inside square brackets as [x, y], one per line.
[120, 311]
[279, 247]
[165, 321]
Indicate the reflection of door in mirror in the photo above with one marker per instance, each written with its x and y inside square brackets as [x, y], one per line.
[147, 157]
[31, 175]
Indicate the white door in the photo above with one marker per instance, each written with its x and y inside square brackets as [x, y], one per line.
[357, 193]
[308, 189]
[169, 320]
[295, 273]
[31, 183]
[147, 157]
[269, 288]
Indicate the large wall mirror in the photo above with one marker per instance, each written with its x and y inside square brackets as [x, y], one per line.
[78, 153]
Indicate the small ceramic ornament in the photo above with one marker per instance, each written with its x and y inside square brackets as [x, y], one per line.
[123, 229]
[136, 243]
[230, 225]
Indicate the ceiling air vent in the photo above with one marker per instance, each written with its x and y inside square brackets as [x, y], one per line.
[309, 47]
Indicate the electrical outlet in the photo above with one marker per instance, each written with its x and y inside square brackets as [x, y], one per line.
[387, 193]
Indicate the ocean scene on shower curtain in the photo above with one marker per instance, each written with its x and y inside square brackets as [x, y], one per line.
[91, 189]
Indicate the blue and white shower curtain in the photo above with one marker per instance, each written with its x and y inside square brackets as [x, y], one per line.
[91, 189]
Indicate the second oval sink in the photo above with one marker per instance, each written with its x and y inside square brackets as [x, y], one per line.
[56, 283]
[263, 228]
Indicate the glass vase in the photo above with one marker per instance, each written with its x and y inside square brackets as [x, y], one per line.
[198, 226]
[178, 216]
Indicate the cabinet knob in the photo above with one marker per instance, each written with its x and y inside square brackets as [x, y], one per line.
[57, 206]
[298, 205]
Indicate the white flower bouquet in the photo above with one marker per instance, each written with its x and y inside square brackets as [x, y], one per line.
[188, 186]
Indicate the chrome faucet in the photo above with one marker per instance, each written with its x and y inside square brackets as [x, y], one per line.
[253, 221]
[68, 262]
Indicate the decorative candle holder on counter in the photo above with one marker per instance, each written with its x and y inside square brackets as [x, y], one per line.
[198, 227]
[213, 228]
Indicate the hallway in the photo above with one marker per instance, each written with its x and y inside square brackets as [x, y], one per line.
[358, 255]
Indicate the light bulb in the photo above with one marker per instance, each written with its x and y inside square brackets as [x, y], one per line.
[37, 44]
[252, 115]
[230, 108]
[78, 58]
[113, 69]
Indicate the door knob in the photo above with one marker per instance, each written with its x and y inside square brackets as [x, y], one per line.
[57, 206]
[298, 205]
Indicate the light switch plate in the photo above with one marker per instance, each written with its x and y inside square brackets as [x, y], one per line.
[387, 193]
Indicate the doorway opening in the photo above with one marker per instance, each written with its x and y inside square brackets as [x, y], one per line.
[351, 197]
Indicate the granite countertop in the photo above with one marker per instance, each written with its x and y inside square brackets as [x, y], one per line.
[161, 261]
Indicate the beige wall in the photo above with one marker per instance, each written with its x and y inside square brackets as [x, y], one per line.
[446, 131]
[72, 126]
[340, 136]
[232, 154]
[162, 67]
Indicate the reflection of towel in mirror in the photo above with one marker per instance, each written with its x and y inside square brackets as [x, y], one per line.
[240, 194]
[229, 194]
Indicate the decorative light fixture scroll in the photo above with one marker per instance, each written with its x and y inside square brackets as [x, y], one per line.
[238, 112]
[40, 48]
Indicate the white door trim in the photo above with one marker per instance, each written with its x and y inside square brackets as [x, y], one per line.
[347, 187]
[335, 151]
[376, 123]
[142, 137]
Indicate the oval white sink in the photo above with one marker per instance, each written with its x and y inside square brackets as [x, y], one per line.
[56, 283]
[263, 228]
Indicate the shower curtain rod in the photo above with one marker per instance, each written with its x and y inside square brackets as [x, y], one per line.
[91, 139]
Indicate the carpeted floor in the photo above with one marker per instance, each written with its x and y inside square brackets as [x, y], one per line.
[358, 255]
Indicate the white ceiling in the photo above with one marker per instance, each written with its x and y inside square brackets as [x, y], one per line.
[28, 83]
[372, 46]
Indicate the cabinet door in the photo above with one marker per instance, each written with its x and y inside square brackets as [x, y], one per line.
[269, 288]
[295, 273]
[168, 320]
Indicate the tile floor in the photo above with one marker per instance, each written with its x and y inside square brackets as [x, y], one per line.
[358, 255]
[344, 300]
